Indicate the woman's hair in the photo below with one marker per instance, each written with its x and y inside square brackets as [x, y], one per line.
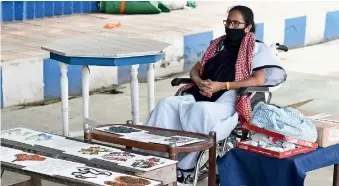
[248, 15]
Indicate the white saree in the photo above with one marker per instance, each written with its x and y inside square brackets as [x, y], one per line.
[184, 113]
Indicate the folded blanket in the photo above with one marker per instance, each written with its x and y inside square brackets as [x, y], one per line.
[286, 121]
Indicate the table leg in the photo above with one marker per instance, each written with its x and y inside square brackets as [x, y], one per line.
[212, 161]
[135, 94]
[64, 97]
[150, 87]
[173, 155]
[85, 97]
[336, 175]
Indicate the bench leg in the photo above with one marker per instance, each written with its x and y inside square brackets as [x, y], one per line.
[34, 181]
[336, 175]
[173, 155]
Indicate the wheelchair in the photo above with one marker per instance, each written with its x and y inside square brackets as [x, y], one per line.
[257, 94]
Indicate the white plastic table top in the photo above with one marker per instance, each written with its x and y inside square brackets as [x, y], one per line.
[105, 51]
[105, 46]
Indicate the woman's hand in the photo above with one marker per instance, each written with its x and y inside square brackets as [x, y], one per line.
[204, 88]
[209, 87]
[202, 84]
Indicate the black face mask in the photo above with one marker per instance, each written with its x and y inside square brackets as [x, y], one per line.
[235, 34]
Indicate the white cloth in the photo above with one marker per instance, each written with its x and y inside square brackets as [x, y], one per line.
[265, 58]
[185, 114]
[287, 121]
[175, 5]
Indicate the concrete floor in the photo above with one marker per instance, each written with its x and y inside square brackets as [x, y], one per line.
[24, 39]
[313, 73]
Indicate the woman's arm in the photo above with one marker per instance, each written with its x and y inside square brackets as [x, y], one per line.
[195, 77]
[195, 74]
[258, 79]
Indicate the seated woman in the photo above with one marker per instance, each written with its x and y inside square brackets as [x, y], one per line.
[210, 103]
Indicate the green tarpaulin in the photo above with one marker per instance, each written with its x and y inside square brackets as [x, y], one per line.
[136, 7]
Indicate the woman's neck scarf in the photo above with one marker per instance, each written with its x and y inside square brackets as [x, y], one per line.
[242, 71]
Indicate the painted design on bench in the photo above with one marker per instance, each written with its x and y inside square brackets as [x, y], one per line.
[119, 156]
[128, 181]
[114, 183]
[28, 157]
[87, 172]
[121, 129]
[179, 139]
[39, 137]
[95, 150]
[17, 132]
[147, 163]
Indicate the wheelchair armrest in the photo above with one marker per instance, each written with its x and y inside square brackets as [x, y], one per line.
[179, 81]
[246, 90]
[282, 47]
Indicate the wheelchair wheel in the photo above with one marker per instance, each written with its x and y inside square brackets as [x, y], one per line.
[222, 148]
[203, 166]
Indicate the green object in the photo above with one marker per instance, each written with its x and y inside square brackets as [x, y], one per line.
[130, 7]
[191, 4]
[163, 7]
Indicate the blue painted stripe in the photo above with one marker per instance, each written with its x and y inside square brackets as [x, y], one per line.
[194, 48]
[331, 25]
[107, 61]
[39, 9]
[259, 31]
[22, 10]
[68, 7]
[1, 12]
[49, 8]
[295, 32]
[58, 8]
[29, 10]
[124, 74]
[7, 11]
[52, 79]
[94, 6]
[86, 6]
[142, 72]
[19, 10]
[77, 6]
[138, 60]
[1, 92]
[123, 69]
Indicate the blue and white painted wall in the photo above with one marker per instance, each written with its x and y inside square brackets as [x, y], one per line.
[44, 81]
[26, 10]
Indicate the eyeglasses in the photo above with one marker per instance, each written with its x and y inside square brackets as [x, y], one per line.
[235, 24]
